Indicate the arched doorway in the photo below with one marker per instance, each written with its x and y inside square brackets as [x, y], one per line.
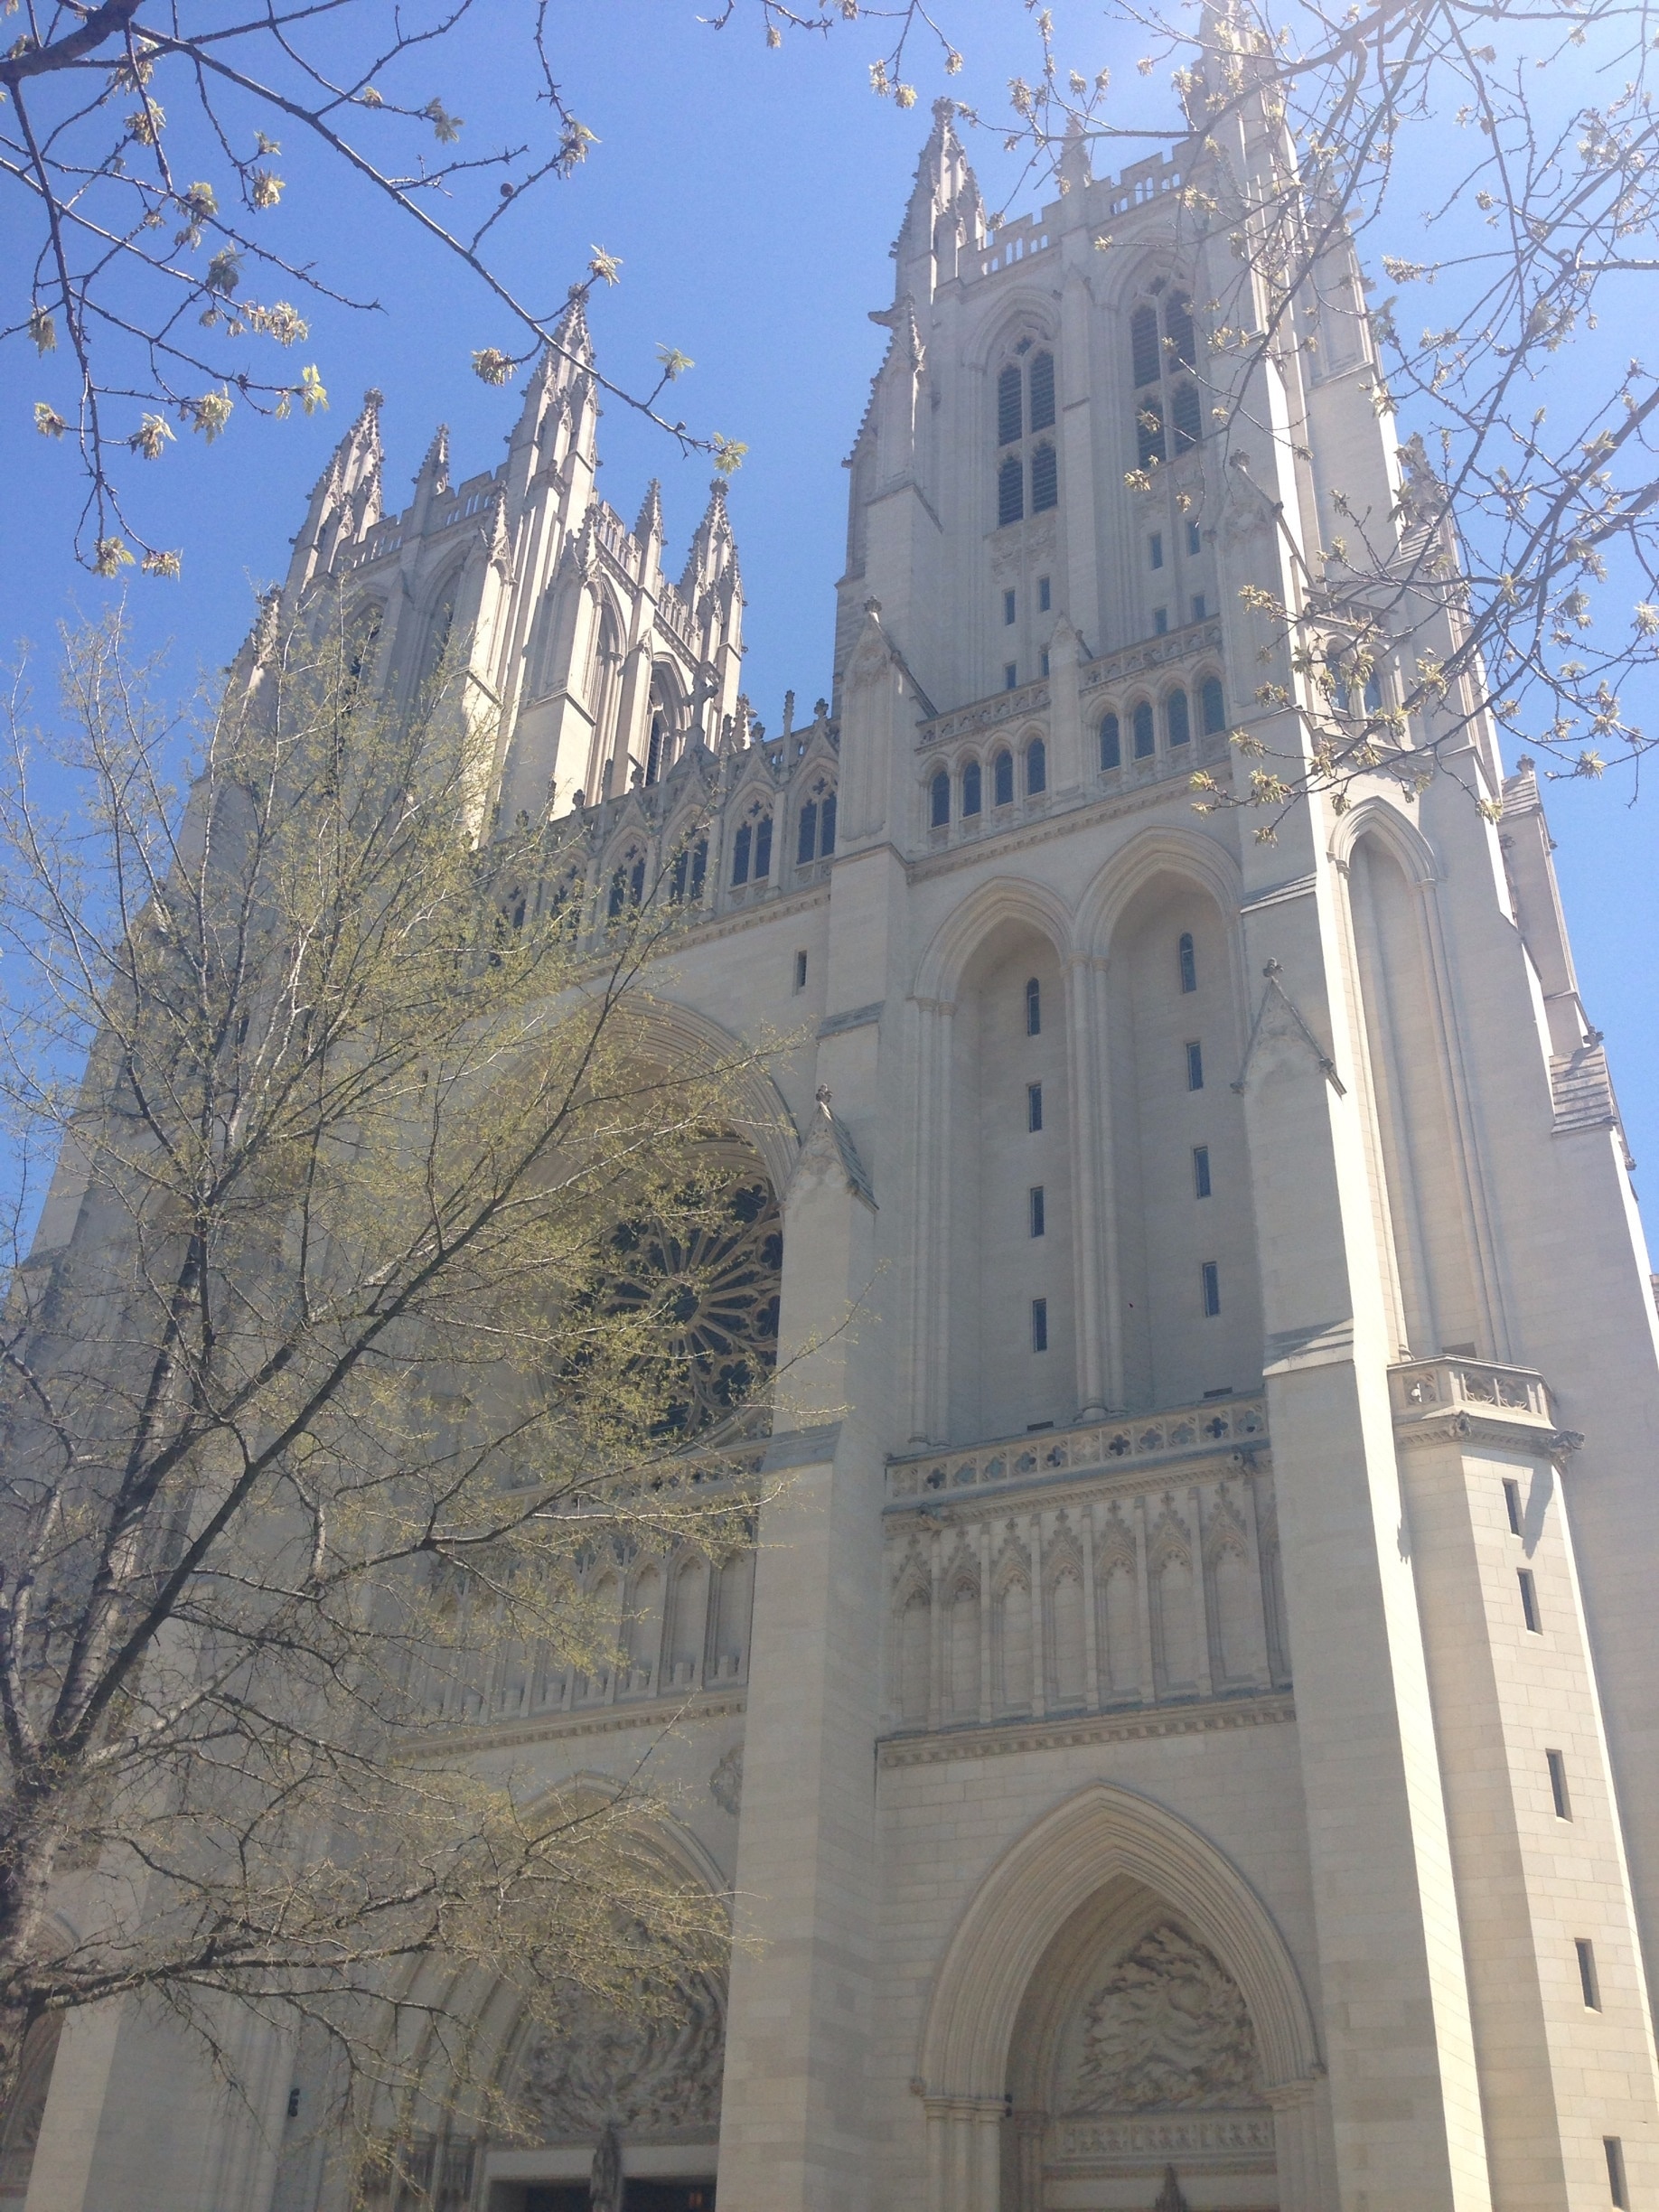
[1135, 2064]
[1117, 2002]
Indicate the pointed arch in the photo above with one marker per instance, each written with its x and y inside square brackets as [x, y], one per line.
[1174, 851]
[1004, 898]
[1103, 1832]
[1374, 817]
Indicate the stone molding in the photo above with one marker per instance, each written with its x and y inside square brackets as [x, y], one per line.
[659, 1712]
[1247, 1709]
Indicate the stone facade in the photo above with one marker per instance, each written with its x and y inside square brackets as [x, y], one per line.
[1186, 1733]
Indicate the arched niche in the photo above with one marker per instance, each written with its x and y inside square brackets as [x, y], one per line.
[1189, 1296]
[1115, 1976]
[1008, 1187]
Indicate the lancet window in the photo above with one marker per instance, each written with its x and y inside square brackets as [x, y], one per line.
[1164, 364]
[1027, 465]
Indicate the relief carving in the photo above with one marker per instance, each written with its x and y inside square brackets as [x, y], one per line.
[657, 2074]
[1167, 2027]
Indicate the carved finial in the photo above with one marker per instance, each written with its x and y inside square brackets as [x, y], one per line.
[1169, 2198]
[823, 1094]
[1272, 968]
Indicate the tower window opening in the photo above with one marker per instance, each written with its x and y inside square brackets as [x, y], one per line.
[1150, 430]
[1154, 547]
[636, 881]
[1194, 1067]
[1010, 414]
[800, 971]
[1042, 375]
[1008, 607]
[1200, 606]
[679, 874]
[1036, 767]
[1213, 706]
[1045, 595]
[763, 849]
[806, 834]
[1045, 479]
[1617, 2193]
[1512, 1503]
[971, 781]
[1210, 1287]
[1002, 780]
[700, 866]
[1186, 958]
[1143, 344]
[1557, 1764]
[1038, 1225]
[1010, 676]
[1161, 622]
[1034, 1008]
[1178, 331]
[1588, 1981]
[1189, 418]
[1374, 693]
[1178, 718]
[1039, 1325]
[1144, 732]
[939, 813]
[740, 856]
[1111, 743]
[654, 751]
[1194, 544]
[825, 826]
[1010, 490]
[1201, 1171]
[1045, 663]
[1529, 1602]
[1034, 1106]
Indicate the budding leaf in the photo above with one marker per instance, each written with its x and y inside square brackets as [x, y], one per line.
[48, 421]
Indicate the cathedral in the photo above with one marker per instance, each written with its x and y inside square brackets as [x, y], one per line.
[1187, 1734]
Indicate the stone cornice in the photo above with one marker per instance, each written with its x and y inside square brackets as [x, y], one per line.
[1257, 1709]
[663, 1714]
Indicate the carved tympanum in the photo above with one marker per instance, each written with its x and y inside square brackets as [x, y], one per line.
[655, 2074]
[1166, 2026]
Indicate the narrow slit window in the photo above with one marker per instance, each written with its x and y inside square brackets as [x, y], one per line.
[1010, 676]
[1512, 1503]
[1034, 1106]
[1210, 1286]
[1195, 1067]
[1187, 958]
[1039, 1325]
[1154, 545]
[1529, 1602]
[939, 805]
[800, 971]
[1161, 622]
[1617, 2193]
[1199, 606]
[1194, 544]
[971, 788]
[1038, 1215]
[1008, 607]
[1045, 597]
[1201, 1171]
[1557, 1764]
[1588, 1981]
[1034, 1007]
[1111, 743]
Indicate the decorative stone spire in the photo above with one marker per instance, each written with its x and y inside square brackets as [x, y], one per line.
[345, 499]
[431, 481]
[714, 550]
[650, 524]
[946, 215]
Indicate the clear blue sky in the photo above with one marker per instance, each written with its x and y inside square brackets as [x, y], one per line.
[751, 196]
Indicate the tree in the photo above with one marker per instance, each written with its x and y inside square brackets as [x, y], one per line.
[392, 1270]
[154, 279]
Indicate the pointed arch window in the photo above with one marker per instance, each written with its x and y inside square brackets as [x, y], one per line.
[1178, 331]
[1214, 706]
[1145, 735]
[1188, 426]
[1045, 479]
[1178, 718]
[1150, 430]
[1169, 407]
[763, 849]
[742, 845]
[1143, 345]
[972, 788]
[1010, 408]
[654, 750]
[1002, 780]
[1010, 490]
[939, 804]
[1042, 375]
[1036, 767]
[1111, 743]
[815, 826]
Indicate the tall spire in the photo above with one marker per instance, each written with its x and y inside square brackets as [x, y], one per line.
[345, 499]
[946, 215]
[433, 480]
